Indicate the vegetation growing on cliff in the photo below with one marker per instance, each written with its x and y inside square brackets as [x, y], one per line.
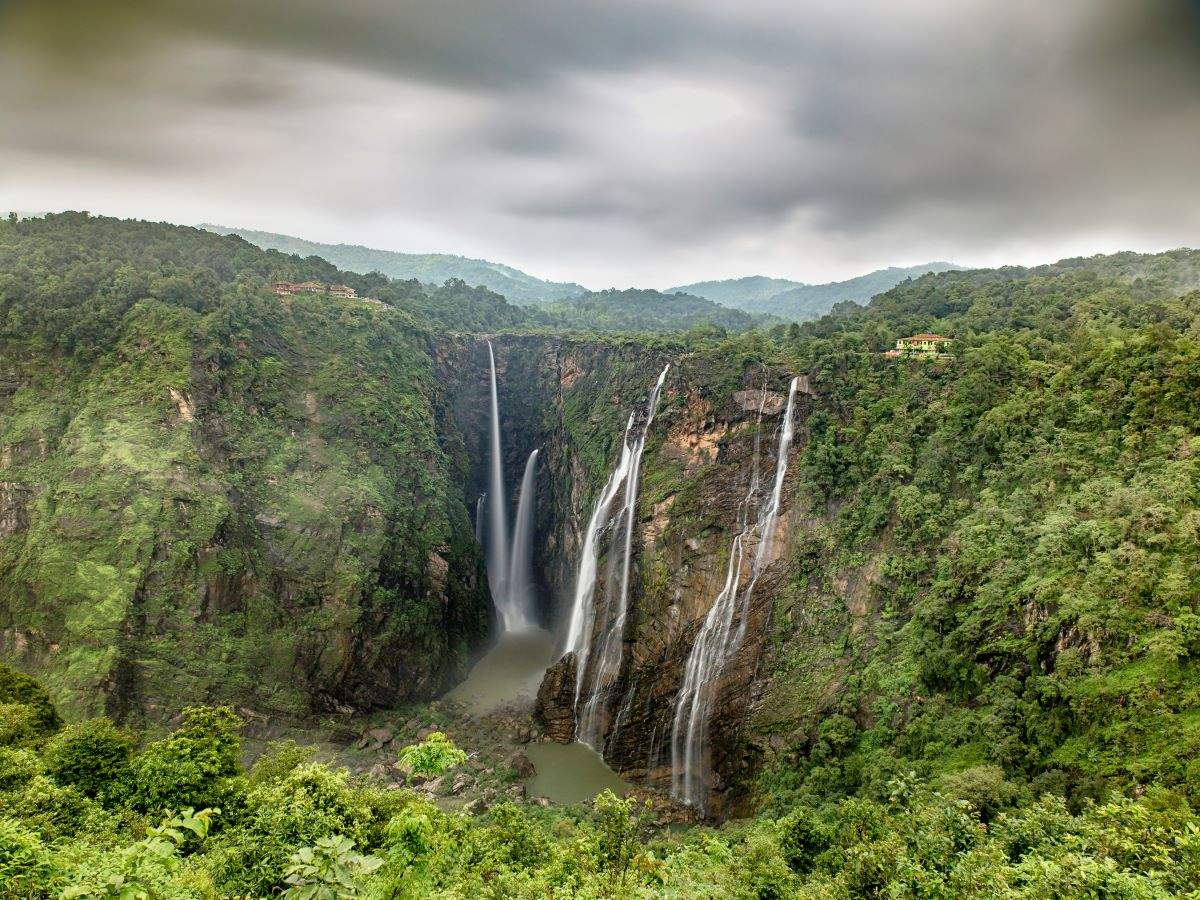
[214, 492]
[1002, 574]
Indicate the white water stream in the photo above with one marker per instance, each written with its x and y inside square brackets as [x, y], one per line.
[598, 646]
[509, 559]
[719, 638]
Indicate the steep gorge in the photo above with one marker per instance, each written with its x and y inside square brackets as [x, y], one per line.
[568, 397]
[987, 563]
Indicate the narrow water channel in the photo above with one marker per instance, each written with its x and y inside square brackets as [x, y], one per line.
[512, 670]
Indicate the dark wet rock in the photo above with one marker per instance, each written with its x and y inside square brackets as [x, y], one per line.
[522, 765]
[555, 708]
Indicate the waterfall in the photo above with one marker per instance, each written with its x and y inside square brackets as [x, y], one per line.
[518, 601]
[479, 518]
[718, 640]
[596, 670]
[509, 562]
[497, 533]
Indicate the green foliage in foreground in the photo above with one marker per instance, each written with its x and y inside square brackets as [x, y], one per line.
[433, 756]
[299, 829]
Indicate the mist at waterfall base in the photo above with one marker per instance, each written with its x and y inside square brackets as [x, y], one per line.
[719, 638]
[598, 644]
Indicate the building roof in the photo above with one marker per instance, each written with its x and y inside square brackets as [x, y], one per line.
[926, 336]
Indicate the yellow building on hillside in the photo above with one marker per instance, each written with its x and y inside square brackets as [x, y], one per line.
[928, 345]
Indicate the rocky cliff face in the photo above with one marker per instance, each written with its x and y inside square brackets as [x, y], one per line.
[572, 398]
[264, 508]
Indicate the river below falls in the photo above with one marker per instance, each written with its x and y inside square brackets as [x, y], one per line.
[511, 671]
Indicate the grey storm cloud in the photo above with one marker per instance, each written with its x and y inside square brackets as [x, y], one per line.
[620, 141]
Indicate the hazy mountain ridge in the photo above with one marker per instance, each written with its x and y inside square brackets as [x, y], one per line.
[430, 268]
[798, 301]
[641, 310]
[737, 292]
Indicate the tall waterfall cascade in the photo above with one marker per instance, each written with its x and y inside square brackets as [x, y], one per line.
[519, 605]
[596, 631]
[509, 558]
[724, 627]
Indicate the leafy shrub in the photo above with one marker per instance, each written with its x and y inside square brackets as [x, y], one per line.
[616, 830]
[331, 870]
[431, 757]
[53, 811]
[310, 803]
[18, 689]
[802, 839]
[92, 756]
[21, 725]
[18, 767]
[192, 767]
[25, 865]
[279, 760]
[145, 869]
[984, 787]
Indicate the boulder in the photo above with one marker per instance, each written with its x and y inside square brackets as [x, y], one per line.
[522, 765]
[555, 709]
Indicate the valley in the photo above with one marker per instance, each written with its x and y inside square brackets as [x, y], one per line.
[803, 602]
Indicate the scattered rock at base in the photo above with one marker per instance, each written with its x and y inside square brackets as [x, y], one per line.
[555, 708]
[375, 739]
[522, 765]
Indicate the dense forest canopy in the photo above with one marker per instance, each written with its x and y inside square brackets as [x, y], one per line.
[983, 665]
[634, 310]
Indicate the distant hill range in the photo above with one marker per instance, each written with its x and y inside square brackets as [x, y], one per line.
[429, 268]
[799, 302]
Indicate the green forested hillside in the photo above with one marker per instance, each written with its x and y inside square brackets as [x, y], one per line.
[1003, 568]
[737, 293]
[428, 268]
[189, 463]
[797, 302]
[982, 665]
[636, 310]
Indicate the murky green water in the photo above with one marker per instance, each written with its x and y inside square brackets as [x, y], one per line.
[566, 773]
[510, 670]
[570, 773]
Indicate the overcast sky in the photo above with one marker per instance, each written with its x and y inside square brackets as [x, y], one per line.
[620, 142]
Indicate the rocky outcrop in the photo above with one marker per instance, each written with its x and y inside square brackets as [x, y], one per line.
[272, 518]
[555, 708]
[14, 499]
[682, 568]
